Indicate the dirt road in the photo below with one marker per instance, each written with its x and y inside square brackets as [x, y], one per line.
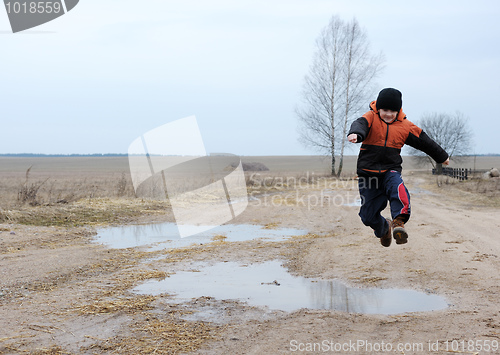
[61, 293]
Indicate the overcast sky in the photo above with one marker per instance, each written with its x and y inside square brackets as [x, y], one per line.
[108, 71]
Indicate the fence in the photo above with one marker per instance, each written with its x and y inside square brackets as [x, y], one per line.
[457, 173]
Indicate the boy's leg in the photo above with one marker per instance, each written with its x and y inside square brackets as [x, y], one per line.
[399, 200]
[397, 193]
[373, 201]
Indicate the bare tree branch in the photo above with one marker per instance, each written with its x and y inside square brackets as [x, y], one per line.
[451, 131]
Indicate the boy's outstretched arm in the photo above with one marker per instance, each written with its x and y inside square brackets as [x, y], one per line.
[418, 139]
[359, 130]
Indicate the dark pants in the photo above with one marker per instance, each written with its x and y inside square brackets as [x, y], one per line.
[375, 192]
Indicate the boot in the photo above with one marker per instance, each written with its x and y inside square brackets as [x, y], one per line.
[398, 230]
[386, 239]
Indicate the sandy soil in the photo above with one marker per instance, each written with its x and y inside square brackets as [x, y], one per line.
[60, 293]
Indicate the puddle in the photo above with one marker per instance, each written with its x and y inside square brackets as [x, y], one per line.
[258, 285]
[166, 235]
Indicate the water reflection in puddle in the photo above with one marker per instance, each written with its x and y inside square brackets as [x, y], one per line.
[166, 235]
[258, 285]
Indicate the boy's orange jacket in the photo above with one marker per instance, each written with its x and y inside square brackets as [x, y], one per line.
[382, 142]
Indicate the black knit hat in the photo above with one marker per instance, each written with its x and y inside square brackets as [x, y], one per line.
[389, 99]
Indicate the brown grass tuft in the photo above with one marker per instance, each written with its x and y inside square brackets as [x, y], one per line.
[160, 336]
[128, 305]
[99, 211]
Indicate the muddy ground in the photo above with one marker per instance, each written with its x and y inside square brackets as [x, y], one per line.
[61, 293]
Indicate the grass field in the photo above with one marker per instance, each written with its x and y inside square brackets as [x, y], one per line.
[302, 163]
[80, 190]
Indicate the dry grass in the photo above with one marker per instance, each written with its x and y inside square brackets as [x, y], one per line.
[160, 336]
[475, 192]
[53, 189]
[96, 211]
[78, 191]
[489, 188]
[271, 226]
[53, 350]
[128, 278]
[60, 193]
[128, 305]
[52, 239]
[52, 196]
[219, 238]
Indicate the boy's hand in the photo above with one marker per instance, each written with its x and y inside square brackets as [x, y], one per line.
[446, 162]
[353, 138]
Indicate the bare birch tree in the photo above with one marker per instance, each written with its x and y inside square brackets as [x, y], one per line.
[337, 86]
[451, 131]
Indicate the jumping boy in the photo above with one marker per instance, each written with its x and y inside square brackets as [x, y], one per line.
[384, 130]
